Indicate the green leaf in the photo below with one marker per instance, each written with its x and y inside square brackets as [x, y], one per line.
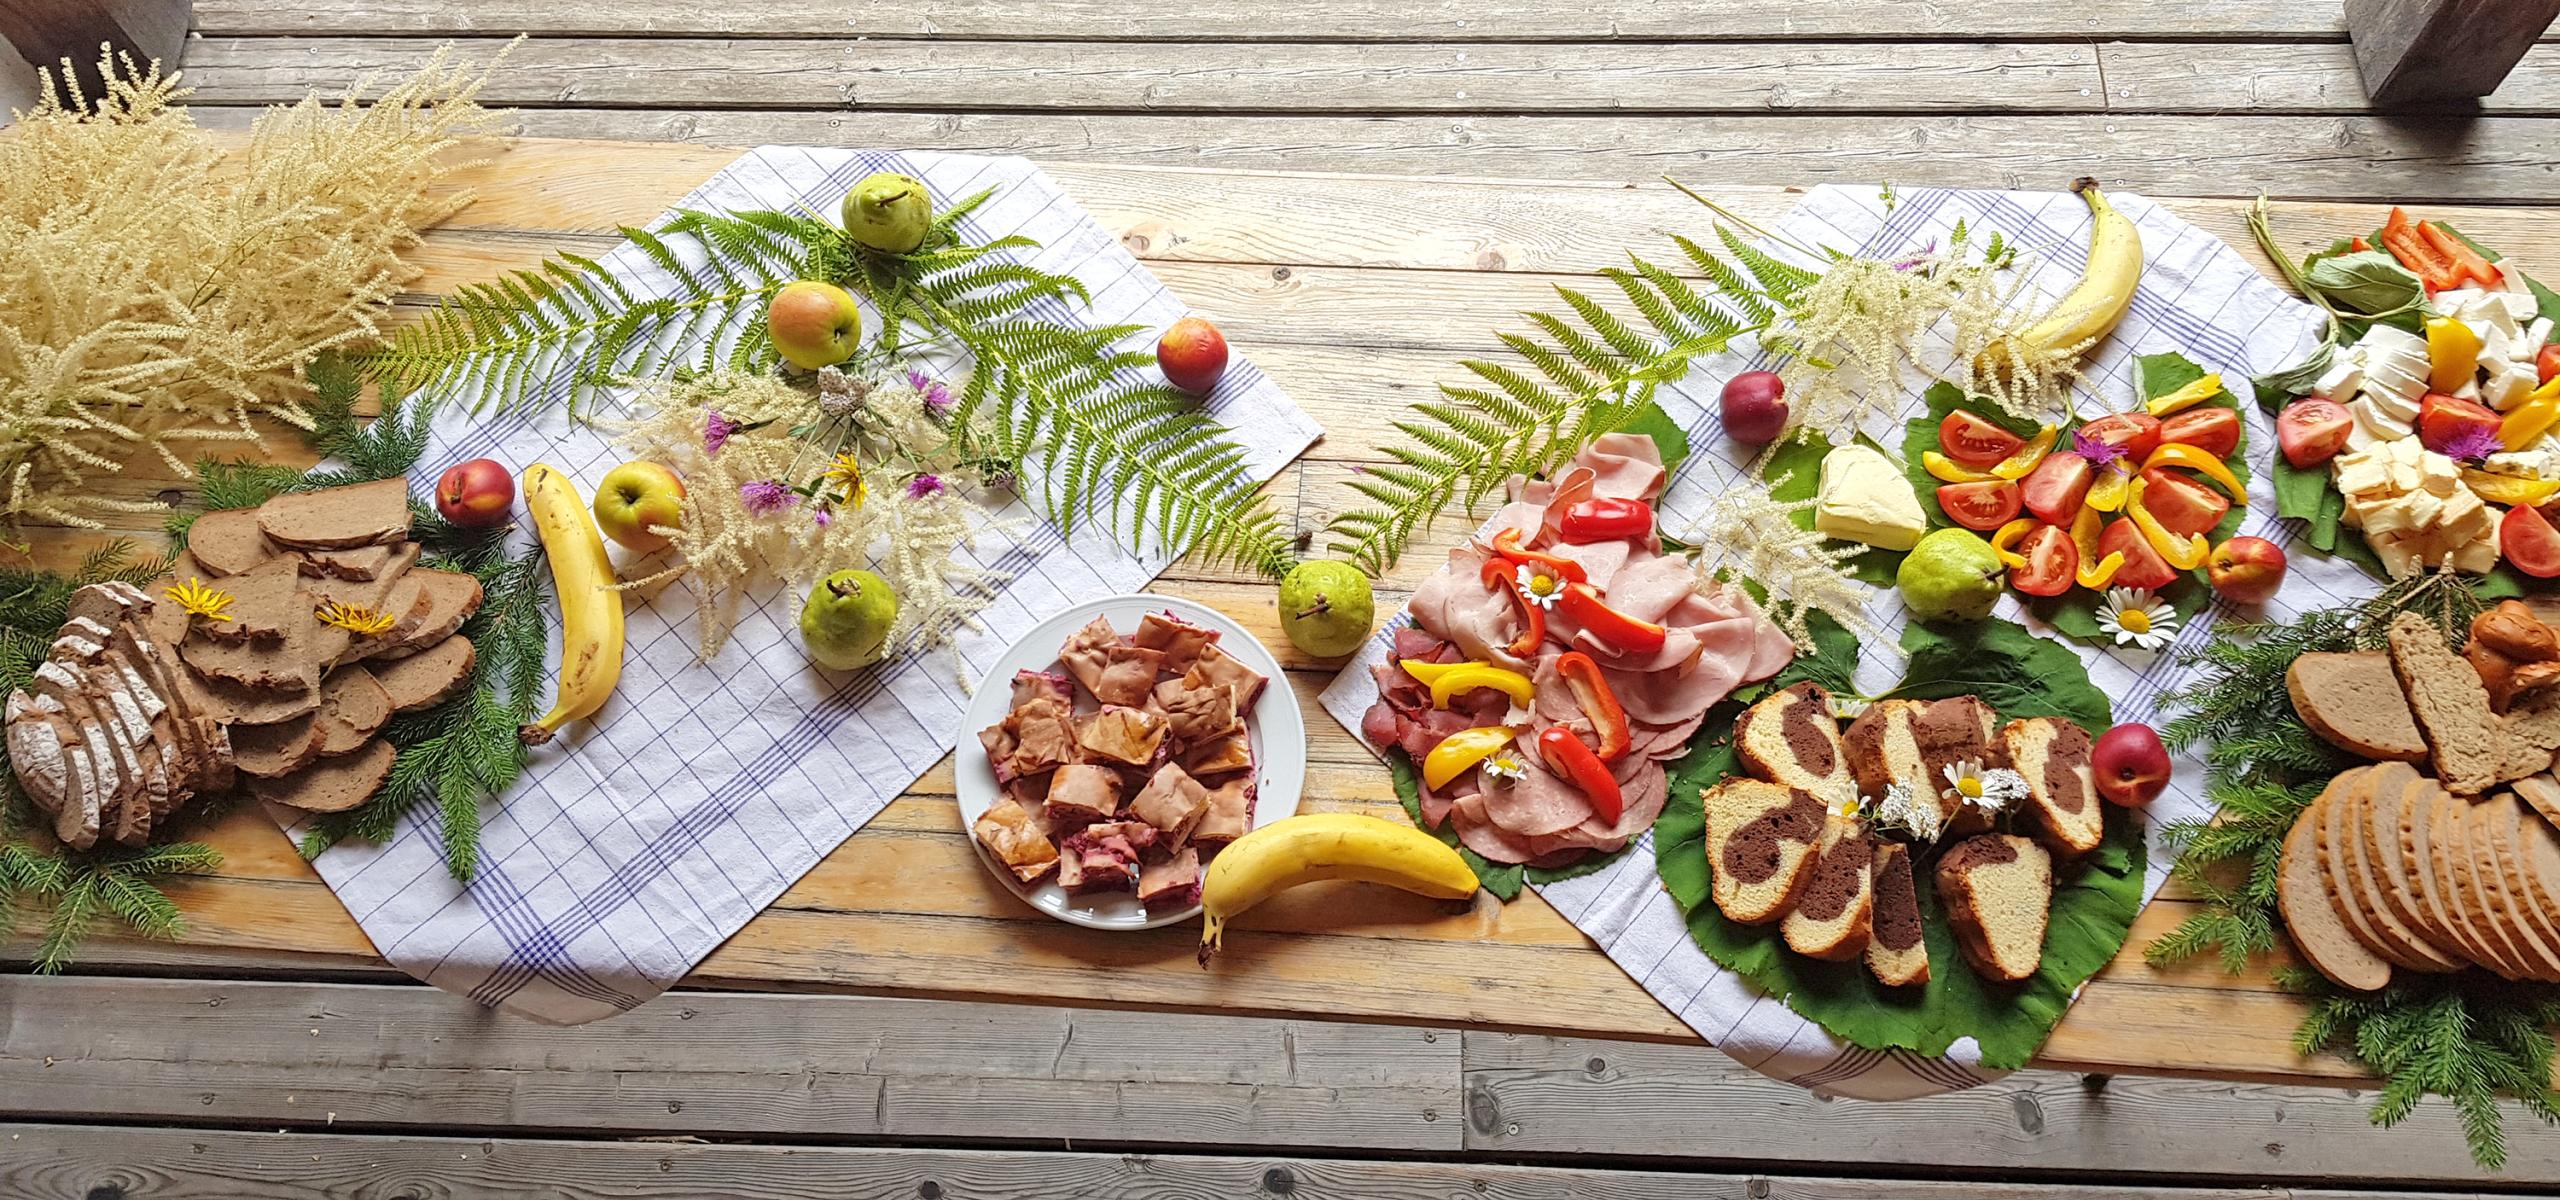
[2275, 388]
[2013, 670]
[2367, 281]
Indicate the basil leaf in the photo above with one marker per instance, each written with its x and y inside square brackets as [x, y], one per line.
[2276, 387]
[2369, 281]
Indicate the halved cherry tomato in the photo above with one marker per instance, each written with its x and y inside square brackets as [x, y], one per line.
[2058, 487]
[2546, 365]
[2137, 434]
[2312, 431]
[2053, 563]
[1976, 440]
[2450, 423]
[2528, 540]
[2216, 431]
[2143, 567]
[2182, 505]
[1981, 507]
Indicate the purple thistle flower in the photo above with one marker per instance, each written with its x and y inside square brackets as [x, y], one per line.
[1919, 258]
[924, 485]
[2099, 452]
[825, 518]
[2473, 444]
[765, 496]
[716, 430]
[938, 399]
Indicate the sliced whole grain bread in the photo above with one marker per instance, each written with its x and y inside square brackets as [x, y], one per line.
[339, 518]
[1791, 739]
[450, 599]
[1835, 913]
[2330, 845]
[353, 707]
[2063, 805]
[1997, 892]
[427, 678]
[331, 784]
[1760, 847]
[2530, 734]
[1898, 947]
[228, 542]
[232, 704]
[2348, 839]
[2497, 853]
[364, 564]
[2483, 893]
[265, 606]
[2451, 704]
[275, 751]
[36, 750]
[2432, 853]
[2533, 864]
[2543, 793]
[2383, 824]
[2302, 896]
[2354, 702]
[274, 668]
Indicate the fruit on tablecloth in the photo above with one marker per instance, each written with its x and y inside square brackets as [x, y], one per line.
[846, 620]
[1326, 607]
[889, 211]
[590, 604]
[2246, 570]
[2095, 304]
[1322, 846]
[475, 494]
[1998, 893]
[1950, 574]
[1193, 355]
[1754, 407]
[814, 324]
[1860, 496]
[635, 496]
[2129, 765]
[2312, 431]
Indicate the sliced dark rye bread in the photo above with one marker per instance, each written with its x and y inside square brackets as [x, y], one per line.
[228, 542]
[231, 704]
[1834, 915]
[363, 564]
[275, 751]
[1997, 892]
[37, 752]
[2495, 852]
[2382, 823]
[2451, 704]
[263, 610]
[2354, 701]
[1791, 739]
[333, 643]
[353, 707]
[1898, 947]
[331, 784]
[91, 811]
[2344, 838]
[2434, 855]
[2330, 847]
[2302, 896]
[428, 677]
[2062, 796]
[339, 518]
[451, 598]
[1760, 846]
[1884, 748]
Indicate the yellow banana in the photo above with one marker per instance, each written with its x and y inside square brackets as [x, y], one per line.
[1305, 849]
[590, 606]
[2093, 306]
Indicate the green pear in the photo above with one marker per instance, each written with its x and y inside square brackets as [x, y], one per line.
[1951, 575]
[1326, 607]
[889, 211]
[847, 619]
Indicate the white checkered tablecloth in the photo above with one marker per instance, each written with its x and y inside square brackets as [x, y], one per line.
[2199, 298]
[638, 842]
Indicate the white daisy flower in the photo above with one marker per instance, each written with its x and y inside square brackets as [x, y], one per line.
[1503, 766]
[1848, 708]
[1538, 586]
[2137, 618]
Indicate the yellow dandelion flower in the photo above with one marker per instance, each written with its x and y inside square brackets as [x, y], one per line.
[354, 618]
[199, 600]
[846, 474]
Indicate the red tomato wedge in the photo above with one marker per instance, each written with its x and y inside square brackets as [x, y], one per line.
[2138, 434]
[2450, 423]
[2529, 541]
[2058, 486]
[1976, 441]
[2546, 365]
[1981, 507]
[2143, 567]
[2184, 506]
[2312, 431]
[2053, 563]
[2216, 431]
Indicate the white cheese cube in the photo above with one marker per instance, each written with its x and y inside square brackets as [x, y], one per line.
[2439, 475]
[2514, 309]
[2478, 556]
[2462, 515]
[2378, 424]
[2397, 559]
[2341, 380]
[2405, 477]
[2422, 510]
[2470, 390]
[2508, 386]
[2530, 342]
[2452, 301]
[2511, 278]
[2362, 474]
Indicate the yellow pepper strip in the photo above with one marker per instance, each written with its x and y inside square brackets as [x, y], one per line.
[2185, 556]
[1476, 675]
[2526, 424]
[2194, 458]
[2008, 536]
[2187, 397]
[2022, 463]
[1462, 750]
[1430, 673]
[1952, 471]
[2510, 490]
[2106, 492]
[2095, 573]
[2453, 353]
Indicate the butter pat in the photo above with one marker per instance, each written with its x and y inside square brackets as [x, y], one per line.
[1863, 497]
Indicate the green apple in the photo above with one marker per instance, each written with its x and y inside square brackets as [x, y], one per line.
[635, 496]
[889, 211]
[814, 324]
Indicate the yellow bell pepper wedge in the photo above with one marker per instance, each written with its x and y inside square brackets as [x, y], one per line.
[2193, 458]
[2022, 463]
[2181, 556]
[2008, 536]
[2186, 397]
[1462, 750]
[2510, 490]
[2107, 490]
[2095, 573]
[1430, 673]
[1477, 675]
[2453, 354]
[1952, 471]
[2527, 422]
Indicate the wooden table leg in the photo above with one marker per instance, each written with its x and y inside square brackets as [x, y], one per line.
[47, 32]
[2426, 51]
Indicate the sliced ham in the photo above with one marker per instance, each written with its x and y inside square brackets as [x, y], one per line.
[1538, 803]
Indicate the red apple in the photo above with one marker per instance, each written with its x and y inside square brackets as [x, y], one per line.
[2246, 570]
[2130, 765]
[1754, 406]
[476, 494]
[1192, 354]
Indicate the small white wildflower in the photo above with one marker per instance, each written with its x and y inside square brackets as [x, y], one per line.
[839, 394]
[1849, 708]
[1503, 766]
[2001, 788]
[1900, 808]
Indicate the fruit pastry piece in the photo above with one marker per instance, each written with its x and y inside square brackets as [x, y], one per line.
[2062, 798]
[1761, 839]
[1997, 890]
[1018, 838]
[1790, 738]
[1834, 916]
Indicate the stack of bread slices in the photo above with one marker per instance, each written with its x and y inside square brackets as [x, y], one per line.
[2444, 855]
[1783, 845]
[141, 706]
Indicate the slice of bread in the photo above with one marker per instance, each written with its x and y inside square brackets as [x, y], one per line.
[2436, 855]
[2533, 864]
[2354, 702]
[2508, 908]
[1884, 748]
[2302, 895]
[1834, 915]
[2543, 793]
[2529, 733]
[2451, 704]
[1997, 890]
[1790, 738]
[1761, 839]
[1898, 949]
[2403, 945]
[2062, 797]
[2333, 846]
[2384, 821]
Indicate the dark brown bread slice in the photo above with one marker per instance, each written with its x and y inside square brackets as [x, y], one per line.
[2404, 946]
[231, 704]
[339, 518]
[228, 542]
[265, 607]
[427, 678]
[2451, 704]
[1997, 891]
[364, 564]
[273, 668]
[2313, 924]
[2063, 805]
[2384, 823]
[451, 598]
[194, 758]
[1834, 916]
[353, 707]
[1791, 739]
[275, 751]
[331, 784]
[2355, 702]
[1897, 948]
[1760, 846]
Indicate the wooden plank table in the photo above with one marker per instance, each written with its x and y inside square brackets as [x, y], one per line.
[1357, 306]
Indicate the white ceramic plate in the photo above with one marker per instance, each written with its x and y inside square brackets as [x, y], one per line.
[1278, 733]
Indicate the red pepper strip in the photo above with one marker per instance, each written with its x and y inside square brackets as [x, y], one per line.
[1607, 519]
[2474, 266]
[1500, 574]
[1507, 544]
[2404, 238]
[2358, 244]
[1615, 629]
[1577, 763]
[1600, 704]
